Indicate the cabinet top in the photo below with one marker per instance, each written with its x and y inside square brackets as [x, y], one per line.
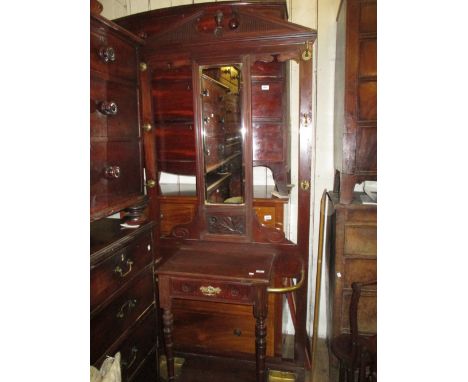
[355, 203]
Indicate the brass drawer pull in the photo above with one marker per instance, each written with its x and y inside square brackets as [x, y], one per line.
[210, 290]
[127, 364]
[129, 304]
[108, 107]
[112, 172]
[107, 54]
[119, 270]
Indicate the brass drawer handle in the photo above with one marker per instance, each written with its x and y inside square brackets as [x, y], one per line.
[112, 172]
[107, 54]
[127, 364]
[119, 270]
[108, 107]
[210, 290]
[129, 305]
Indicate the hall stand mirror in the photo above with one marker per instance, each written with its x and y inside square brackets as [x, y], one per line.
[215, 105]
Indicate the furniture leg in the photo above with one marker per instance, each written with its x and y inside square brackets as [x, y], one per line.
[168, 321]
[260, 313]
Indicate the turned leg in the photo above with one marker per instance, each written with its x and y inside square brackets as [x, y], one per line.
[168, 320]
[260, 313]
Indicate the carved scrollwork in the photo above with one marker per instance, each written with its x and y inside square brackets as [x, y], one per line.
[231, 225]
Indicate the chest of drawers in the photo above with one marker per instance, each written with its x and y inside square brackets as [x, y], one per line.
[123, 305]
[116, 149]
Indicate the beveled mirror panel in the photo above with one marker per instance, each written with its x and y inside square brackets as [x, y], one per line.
[222, 132]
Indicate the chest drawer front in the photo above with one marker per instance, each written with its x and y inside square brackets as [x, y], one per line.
[116, 172]
[113, 272]
[112, 56]
[360, 240]
[121, 313]
[122, 121]
[216, 290]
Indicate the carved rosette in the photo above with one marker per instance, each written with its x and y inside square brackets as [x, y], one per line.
[226, 225]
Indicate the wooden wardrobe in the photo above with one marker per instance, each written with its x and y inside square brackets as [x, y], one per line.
[204, 95]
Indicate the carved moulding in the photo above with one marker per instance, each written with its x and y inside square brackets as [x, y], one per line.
[225, 224]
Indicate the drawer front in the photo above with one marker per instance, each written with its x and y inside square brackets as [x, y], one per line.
[124, 64]
[121, 313]
[137, 345]
[175, 214]
[217, 327]
[112, 273]
[124, 123]
[219, 291]
[267, 99]
[359, 270]
[106, 187]
[360, 240]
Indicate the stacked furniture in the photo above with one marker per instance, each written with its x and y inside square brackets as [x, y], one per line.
[123, 304]
[355, 95]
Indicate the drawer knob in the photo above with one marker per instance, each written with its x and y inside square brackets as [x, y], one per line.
[129, 364]
[237, 332]
[143, 66]
[147, 127]
[108, 107]
[107, 54]
[127, 306]
[150, 183]
[210, 290]
[120, 271]
[112, 172]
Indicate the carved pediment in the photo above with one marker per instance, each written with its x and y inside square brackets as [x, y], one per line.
[228, 24]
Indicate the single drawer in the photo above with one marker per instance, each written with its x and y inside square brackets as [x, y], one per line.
[137, 345]
[360, 240]
[114, 109]
[112, 56]
[266, 216]
[209, 289]
[267, 99]
[116, 172]
[114, 271]
[359, 270]
[121, 313]
[215, 329]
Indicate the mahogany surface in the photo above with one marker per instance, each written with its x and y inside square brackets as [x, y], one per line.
[185, 37]
[205, 276]
[356, 95]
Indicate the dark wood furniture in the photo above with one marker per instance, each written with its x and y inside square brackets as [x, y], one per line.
[352, 258]
[181, 42]
[355, 95]
[223, 279]
[123, 307]
[354, 351]
[116, 148]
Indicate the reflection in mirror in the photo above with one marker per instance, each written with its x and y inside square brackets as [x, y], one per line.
[221, 89]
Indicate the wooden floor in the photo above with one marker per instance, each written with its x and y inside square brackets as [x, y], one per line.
[216, 369]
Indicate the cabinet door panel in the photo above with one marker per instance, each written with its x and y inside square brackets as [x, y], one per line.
[267, 99]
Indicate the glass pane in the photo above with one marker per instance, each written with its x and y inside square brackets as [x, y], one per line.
[221, 89]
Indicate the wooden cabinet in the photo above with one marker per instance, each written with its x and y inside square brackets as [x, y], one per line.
[356, 95]
[116, 149]
[353, 257]
[123, 307]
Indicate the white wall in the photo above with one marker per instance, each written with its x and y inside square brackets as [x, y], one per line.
[319, 15]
